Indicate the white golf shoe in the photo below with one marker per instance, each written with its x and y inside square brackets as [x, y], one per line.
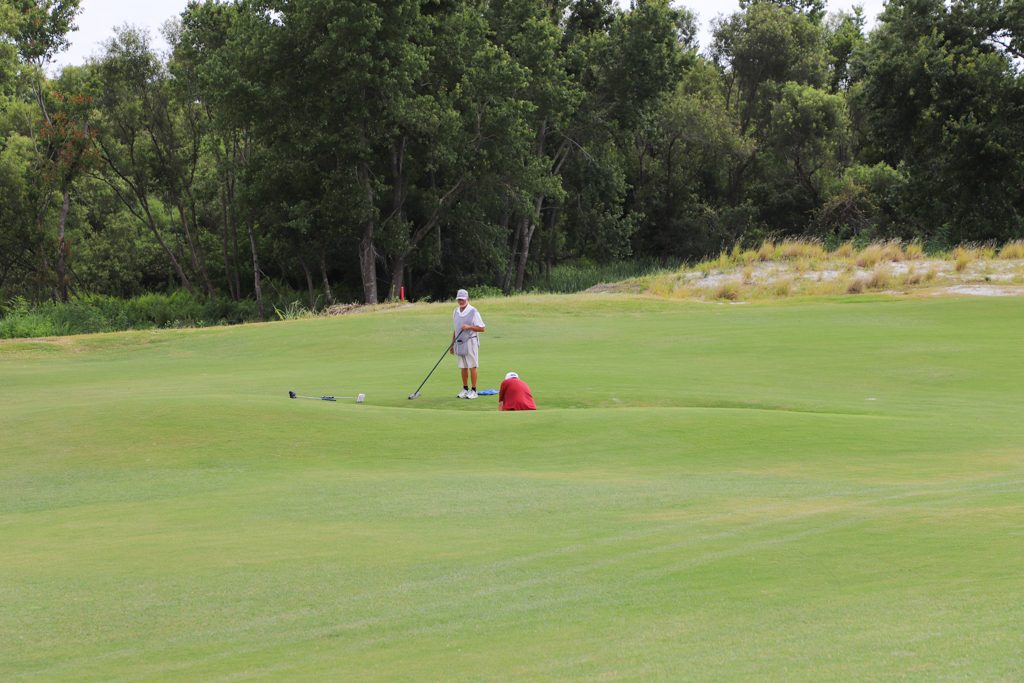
[463, 394]
[471, 394]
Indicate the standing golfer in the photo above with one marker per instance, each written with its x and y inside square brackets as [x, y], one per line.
[466, 328]
[515, 394]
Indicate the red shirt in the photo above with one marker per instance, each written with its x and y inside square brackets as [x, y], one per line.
[514, 394]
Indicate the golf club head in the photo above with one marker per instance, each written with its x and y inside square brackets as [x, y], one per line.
[291, 394]
[361, 398]
[414, 395]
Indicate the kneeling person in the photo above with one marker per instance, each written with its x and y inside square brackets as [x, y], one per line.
[515, 394]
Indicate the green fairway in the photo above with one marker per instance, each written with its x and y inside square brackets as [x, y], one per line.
[811, 490]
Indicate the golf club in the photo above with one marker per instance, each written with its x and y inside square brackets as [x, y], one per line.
[360, 398]
[416, 394]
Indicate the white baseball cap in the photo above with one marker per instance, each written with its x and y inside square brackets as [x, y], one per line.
[512, 375]
[462, 294]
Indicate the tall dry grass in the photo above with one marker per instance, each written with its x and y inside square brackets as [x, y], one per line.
[869, 256]
[801, 249]
[963, 257]
[766, 252]
[877, 252]
[1012, 250]
[728, 290]
[913, 277]
[857, 284]
[802, 267]
[881, 277]
[845, 250]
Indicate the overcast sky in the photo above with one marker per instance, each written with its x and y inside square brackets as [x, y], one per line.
[99, 17]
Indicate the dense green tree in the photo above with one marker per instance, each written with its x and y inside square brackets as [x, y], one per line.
[942, 99]
[138, 165]
[67, 135]
[694, 145]
[344, 148]
[762, 48]
[8, 52]
[39, 30]
[844, 34]
[807, 133]
[225, 51]
[863, 203]
[618, 66]
[532, 34]
[21, 239]
[759, 50]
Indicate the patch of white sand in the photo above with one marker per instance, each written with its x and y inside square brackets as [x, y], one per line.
[985, 290]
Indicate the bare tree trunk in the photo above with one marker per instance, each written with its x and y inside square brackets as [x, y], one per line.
[551, 248]
[368, 264]
[527, 224]
[256, 274]
[62, 275]
[239, 156]
[513, 256]
[230, 268]
[430, 225]
[397, 276]
[528, 227]
[397, 213]
[175, 263]
[237, 260]
[224, 243]
[309, 284]
[327, 283]
[524, 254]
[142, 211]
[198, 262]
[367, 249]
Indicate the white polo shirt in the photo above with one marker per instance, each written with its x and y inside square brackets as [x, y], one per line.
[469, 316]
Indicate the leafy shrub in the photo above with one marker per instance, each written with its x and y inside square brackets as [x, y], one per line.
[96, 313]
[862, 202]
[293, 311]
[76, 317]
[31, 324]
[483, 291]
[567, 278]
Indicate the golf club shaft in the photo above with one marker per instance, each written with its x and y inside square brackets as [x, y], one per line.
[446, 350]
[358, 398]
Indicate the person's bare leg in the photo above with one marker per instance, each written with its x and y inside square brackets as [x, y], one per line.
[472, 371]
[465, 376]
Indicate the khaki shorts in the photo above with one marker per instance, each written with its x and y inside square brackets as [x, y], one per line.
[471, 359]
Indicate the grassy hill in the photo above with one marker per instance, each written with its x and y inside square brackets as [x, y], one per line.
[800, 490]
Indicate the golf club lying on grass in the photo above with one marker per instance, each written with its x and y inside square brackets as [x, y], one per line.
[416, 394]
[360, 398]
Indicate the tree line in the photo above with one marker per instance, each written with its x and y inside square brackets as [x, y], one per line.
[355, 149]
